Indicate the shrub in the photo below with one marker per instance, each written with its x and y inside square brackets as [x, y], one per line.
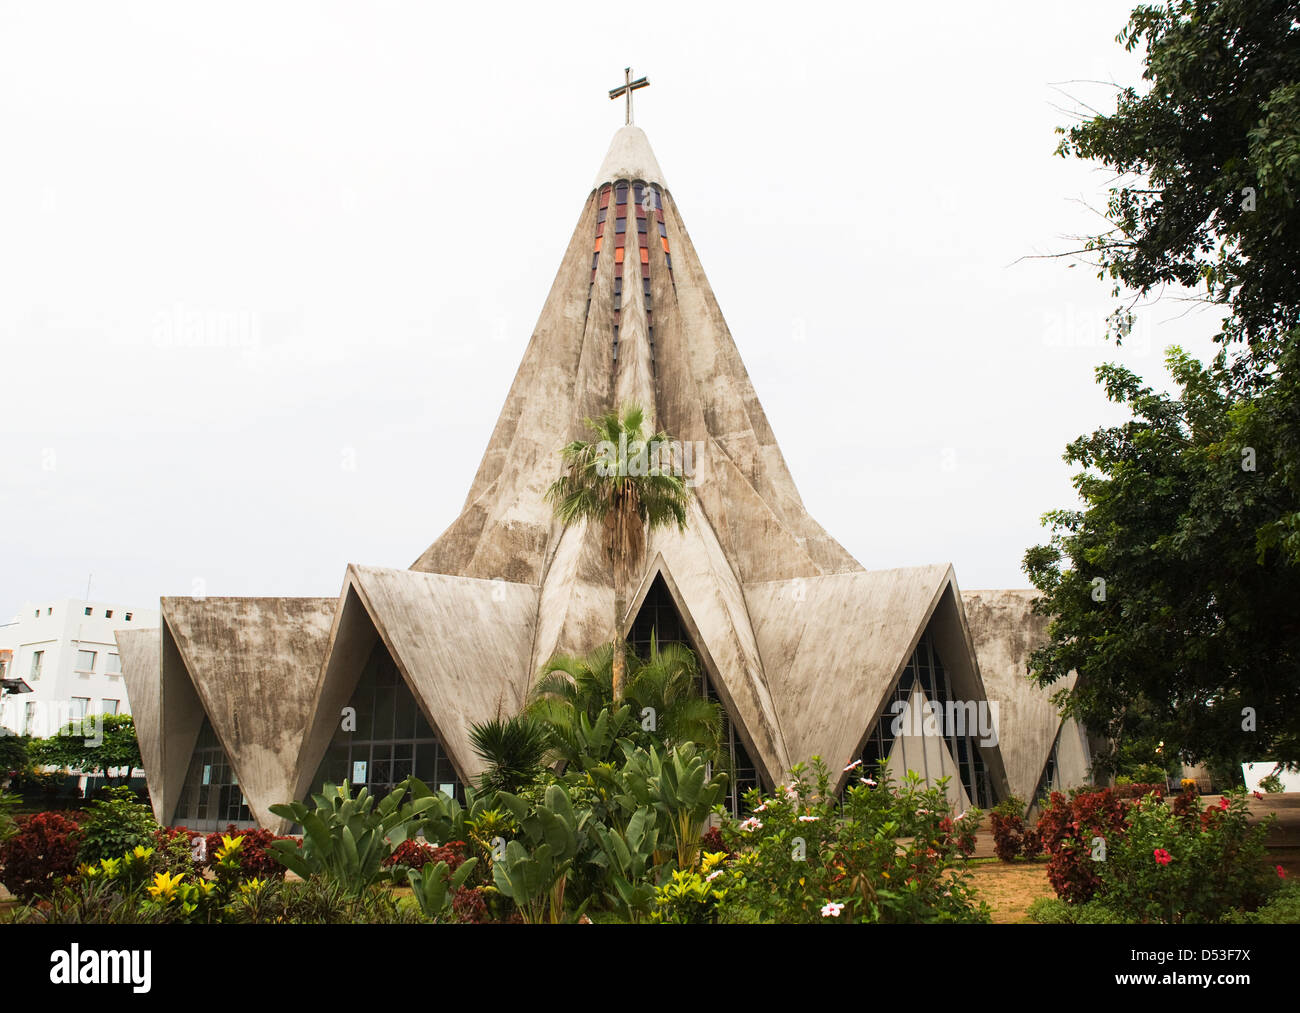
[468, 906]
[1008, 823]
[1136, 790]
[1068, 831]
[1283, 908]
[1049, 911]
[115, 825]
[255, 859]
[416, 855]
[883, 856]
[1184, 864]
[40, 855]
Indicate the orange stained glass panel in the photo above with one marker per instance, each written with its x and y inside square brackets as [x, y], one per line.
[599, 240]
[645, 255]
[618, 255]
[662, 239]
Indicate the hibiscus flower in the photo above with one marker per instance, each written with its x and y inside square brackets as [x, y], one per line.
[1162, 856]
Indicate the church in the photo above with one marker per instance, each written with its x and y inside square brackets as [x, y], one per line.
[242, 703]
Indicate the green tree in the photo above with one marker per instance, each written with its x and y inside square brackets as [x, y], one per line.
[1172, 591]
[1207, 160]
[664, 692]
[94, 745]
[628, 482]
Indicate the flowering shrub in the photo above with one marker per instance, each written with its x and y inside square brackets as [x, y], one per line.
[889, 853]
[1072, 832]
[39, 855]
[1184, 863]
[711, 842]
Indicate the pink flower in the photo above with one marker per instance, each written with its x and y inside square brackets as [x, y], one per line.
[867, 781]
[832, 910]
[853, 766]
[753, 823]
[1258, 794]
[809, 819]
[761, 808]
[1162, 856]
[961, 817]
[1223, 802]
[1281, 872]
[713, 875]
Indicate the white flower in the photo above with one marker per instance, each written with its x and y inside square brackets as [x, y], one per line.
[855, 764]
[923, 812]
[713, 875]
[753, 823]
[867, 781]
[809, 819]
[961, 817]
[761, 808]
[832, 910]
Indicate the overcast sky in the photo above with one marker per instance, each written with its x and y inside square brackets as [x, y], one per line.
[245, 246]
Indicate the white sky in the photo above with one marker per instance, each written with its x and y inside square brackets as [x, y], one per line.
[367, 203]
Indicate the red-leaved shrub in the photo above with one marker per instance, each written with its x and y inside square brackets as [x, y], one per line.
[1069, 830]
[39, 855]
[255, 862]
[417, 854]
[468, 906]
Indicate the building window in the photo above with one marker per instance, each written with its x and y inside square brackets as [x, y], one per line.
[659, 616]
[110, 706]
[211, 798]
[108, 613]
[38, 658]
[926, 672]
[29, 717]
[49, 612]
[80, 707]
[128, 617]
[86, 661]
[89, 611]
[113, 664]
[391, 741]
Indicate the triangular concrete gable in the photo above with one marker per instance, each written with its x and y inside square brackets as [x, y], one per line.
[253, 662]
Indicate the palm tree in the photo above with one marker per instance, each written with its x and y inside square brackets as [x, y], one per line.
[621, 480]
[514, 751]
[667, 682]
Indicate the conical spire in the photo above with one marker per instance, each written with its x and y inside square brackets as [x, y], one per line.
[631, 316]
[630, 157]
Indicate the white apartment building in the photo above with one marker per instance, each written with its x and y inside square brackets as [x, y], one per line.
[65, 651]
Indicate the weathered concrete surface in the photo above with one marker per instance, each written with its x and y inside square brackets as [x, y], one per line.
[254, 663]
[180, 715]
[1006, 632]
[463, 645]
[630, 157]
[141, 654]
[834, 646]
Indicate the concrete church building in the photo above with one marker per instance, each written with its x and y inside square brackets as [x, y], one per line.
[238, 700]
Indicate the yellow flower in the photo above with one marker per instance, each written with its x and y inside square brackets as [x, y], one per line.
[164, 885]
[712, 858]
[230, 846]
[142, 852]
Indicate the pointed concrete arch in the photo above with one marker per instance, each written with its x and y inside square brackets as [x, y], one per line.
[248, 664]
[463, 647]
[735, 677]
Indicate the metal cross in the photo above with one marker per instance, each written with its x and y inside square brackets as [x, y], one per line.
[627, 88]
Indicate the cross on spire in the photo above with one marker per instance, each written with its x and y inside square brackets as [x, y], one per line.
[627, 88]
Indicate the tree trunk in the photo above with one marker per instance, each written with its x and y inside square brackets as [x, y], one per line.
[620, 661]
